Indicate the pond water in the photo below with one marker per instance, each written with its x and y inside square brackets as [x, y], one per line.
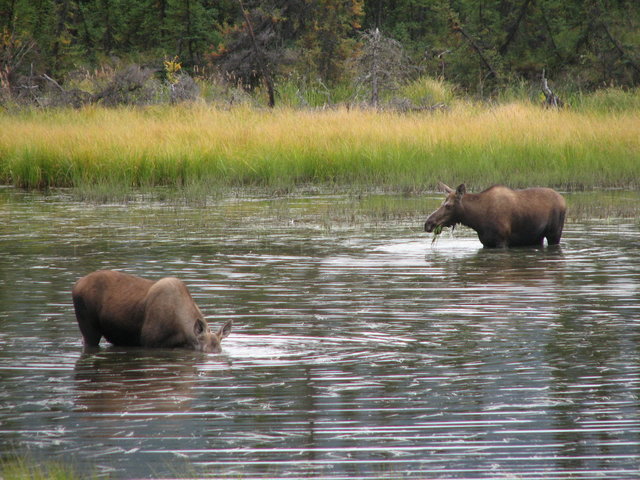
[359, 348]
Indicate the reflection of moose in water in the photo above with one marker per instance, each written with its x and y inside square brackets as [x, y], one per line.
[131, 311]
[131, 380]
[503, 217]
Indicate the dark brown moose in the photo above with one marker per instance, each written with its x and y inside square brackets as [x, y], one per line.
[503, 217]
[133, 311]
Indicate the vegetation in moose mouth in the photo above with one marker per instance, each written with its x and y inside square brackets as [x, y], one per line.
[436, 232]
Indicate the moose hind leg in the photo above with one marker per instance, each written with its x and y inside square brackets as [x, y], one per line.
[553, 239]
[553, 236]
[554, 229]
[90, 334]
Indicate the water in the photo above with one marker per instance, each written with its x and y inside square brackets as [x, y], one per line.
[359, 349]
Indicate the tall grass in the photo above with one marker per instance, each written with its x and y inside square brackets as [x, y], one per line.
[608, 100]
[19, 468]
[517, 144]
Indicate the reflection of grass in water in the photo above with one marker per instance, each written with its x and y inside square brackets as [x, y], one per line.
[156, 213]
[326, 206]
[179, 147]
[606, 204]
[412, 210]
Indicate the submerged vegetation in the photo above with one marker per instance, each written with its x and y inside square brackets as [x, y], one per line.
[200, 147]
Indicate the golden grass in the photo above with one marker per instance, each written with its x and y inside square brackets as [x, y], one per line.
[517, 144]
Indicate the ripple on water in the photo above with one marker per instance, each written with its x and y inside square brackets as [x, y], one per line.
[356, 352]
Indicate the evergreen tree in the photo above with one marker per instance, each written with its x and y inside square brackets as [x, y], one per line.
[329, 39]
[189, 29]
[481, 45]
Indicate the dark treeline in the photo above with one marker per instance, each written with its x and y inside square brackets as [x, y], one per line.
[479, 45]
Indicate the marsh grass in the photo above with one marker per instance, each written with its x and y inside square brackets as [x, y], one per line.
[202, 148]
[608, 100]
[428, 91]
[19, 468]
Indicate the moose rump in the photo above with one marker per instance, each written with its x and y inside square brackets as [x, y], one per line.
[503, 217]
[132, 311]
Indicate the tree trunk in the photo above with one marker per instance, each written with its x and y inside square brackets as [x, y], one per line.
[63, 9]
[259, 57]
[375, 68]
[547, 26]
[551, 99]
[478, 50]
[513, 30]
[107, 38]
[619, 48]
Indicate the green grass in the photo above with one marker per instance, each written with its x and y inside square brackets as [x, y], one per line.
[518, 144]
[609, 100]
[18, 468]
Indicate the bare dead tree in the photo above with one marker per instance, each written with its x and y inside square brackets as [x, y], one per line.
[13, 52]
[551, 99]
[382, 63]
[375, 37]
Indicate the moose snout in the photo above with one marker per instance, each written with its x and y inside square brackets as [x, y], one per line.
[212, 344]
[429, 226]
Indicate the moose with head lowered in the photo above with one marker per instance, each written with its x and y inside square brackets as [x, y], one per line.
[131, 311]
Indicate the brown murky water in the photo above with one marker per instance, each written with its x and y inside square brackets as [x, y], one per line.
[359, 349]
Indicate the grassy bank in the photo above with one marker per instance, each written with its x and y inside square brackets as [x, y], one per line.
[518, 144]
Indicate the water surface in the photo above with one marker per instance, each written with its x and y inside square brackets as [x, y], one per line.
[359, 350]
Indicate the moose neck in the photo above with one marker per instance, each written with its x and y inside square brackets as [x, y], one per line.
[472, 211]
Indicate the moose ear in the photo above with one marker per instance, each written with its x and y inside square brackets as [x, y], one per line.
[444, 188]
[225, 330]
[461, 190]
[198, 327]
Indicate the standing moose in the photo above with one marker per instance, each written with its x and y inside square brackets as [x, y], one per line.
[503, 217]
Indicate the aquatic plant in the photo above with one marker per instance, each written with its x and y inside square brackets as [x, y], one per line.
[436, 232]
